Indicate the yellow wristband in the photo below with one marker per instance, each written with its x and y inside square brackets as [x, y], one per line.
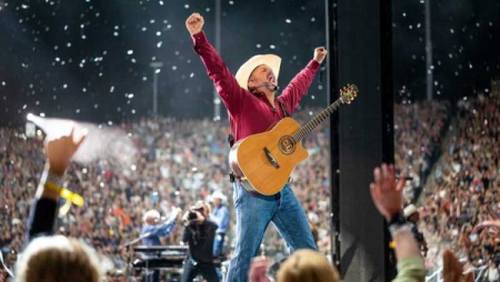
[68, 195]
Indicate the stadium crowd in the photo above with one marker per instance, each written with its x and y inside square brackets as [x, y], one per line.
[418, 128]
[182, 161]
[464, 188]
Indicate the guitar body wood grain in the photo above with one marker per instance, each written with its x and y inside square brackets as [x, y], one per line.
[268, 172]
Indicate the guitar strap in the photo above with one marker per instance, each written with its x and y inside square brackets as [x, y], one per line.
[231, 139]
[283, 109]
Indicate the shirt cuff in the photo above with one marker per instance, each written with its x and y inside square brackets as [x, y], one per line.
[411, 264]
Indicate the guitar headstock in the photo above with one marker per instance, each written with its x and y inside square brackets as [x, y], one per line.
[348, 93]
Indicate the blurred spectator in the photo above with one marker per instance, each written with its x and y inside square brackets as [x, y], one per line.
[151, 232]
[307, 266]
[199, 234]
[154, 229]
[47, 257]
[412, 215]
[219, 215]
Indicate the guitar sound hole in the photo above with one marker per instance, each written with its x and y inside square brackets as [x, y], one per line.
[287, 145]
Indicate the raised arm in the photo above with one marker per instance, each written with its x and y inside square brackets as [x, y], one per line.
[44, 208]
[299, 85]
[226, 85]
[165, 228]
[388, 199]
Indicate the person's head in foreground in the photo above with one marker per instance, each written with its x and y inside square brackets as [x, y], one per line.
[307, 266]
[58, 258]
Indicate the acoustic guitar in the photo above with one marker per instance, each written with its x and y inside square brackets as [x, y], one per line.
[264, 161]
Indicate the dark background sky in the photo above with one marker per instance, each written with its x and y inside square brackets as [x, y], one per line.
[89, 60]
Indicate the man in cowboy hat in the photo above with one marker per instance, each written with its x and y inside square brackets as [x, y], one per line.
[253, 107]
[219, 215]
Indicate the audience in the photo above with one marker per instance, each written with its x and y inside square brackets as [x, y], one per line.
[48, 257]
[116, 198]
[418, 130]
[461, 192]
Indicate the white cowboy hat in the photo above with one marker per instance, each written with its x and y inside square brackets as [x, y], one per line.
[218, 194]
[244, 72]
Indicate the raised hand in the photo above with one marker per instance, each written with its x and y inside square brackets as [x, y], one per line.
[453, 270]
[60, 150]
[194, 23]
[386, 193]
[320, 54]
[258, 270]
[492, 225]
[176, 213]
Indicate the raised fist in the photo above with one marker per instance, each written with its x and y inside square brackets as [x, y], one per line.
[320, 54]
[194, 23]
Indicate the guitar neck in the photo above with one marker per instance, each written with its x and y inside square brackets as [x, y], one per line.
[308, 127]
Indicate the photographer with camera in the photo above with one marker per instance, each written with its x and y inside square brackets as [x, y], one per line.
[199, 234]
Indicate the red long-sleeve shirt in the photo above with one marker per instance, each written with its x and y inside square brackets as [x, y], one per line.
[250, 113]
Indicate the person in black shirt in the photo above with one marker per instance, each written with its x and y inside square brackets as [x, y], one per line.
[199, 235]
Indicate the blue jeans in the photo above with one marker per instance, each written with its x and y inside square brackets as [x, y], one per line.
[254, 212]
[219, 244]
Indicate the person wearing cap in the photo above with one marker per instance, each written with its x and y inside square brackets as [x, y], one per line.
[199, 235]
[253, 106]
[219, 215]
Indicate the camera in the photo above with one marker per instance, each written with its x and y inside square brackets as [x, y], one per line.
[194, 214]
